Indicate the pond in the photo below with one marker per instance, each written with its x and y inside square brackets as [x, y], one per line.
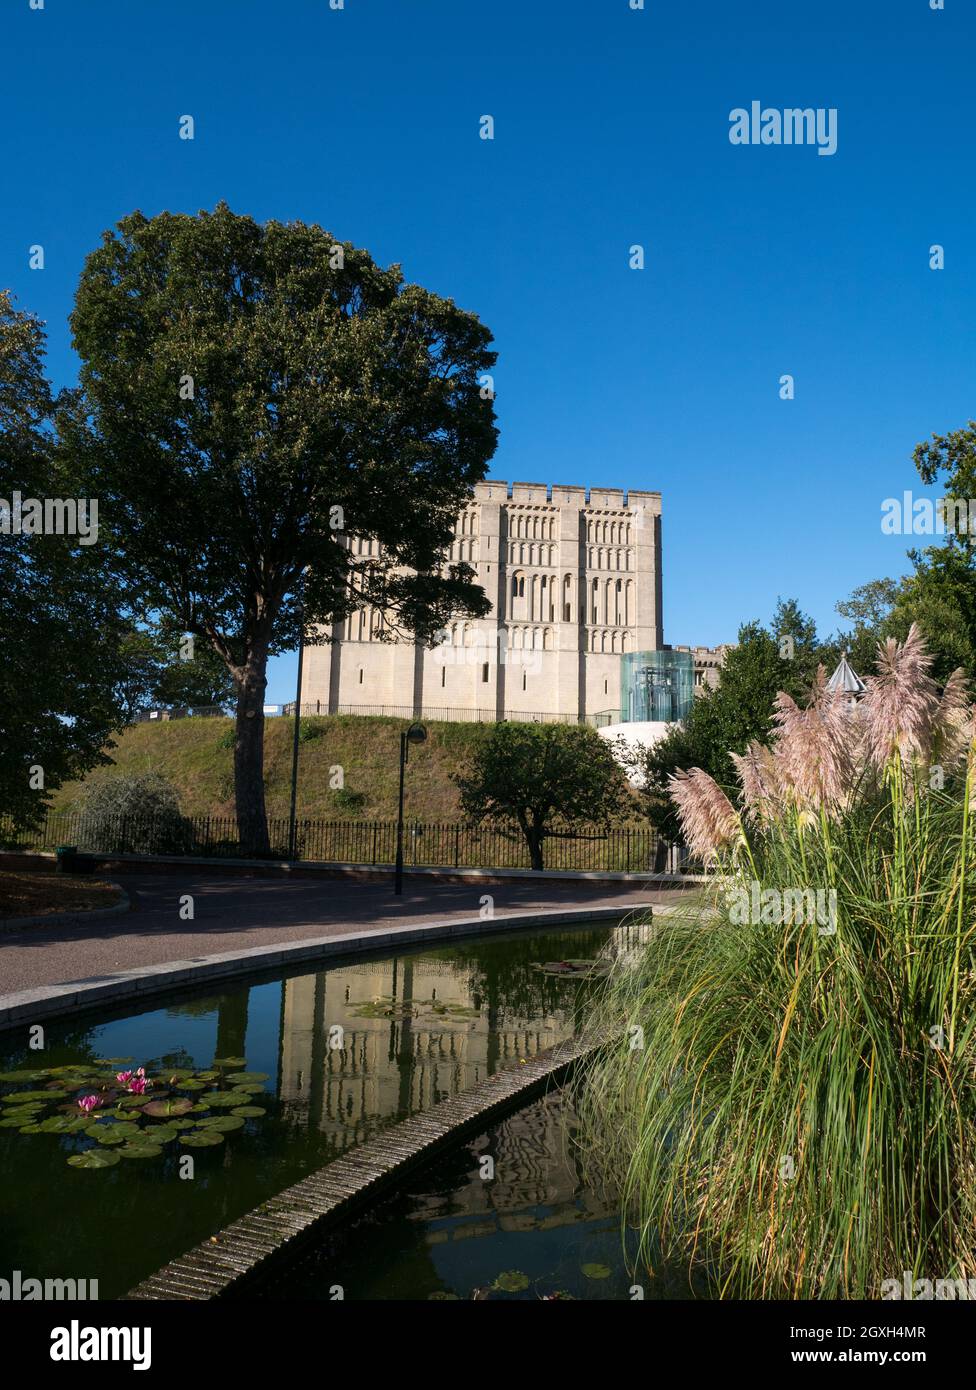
[526, 1226]
[256, 1087]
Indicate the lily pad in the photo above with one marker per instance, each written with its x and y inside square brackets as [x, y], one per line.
[64, 1124]
[192, 1085]
[163, 1133]
[34, 1075]
[248, 1112]
[202, 1139]
[238, 1076]
[93, 1158]
[134, 1150]
[22, 1097]
[218, 1100]
[112, 1134]
[582, 969]
[223, 1124]
[230, 1062]
[596, 1271]
[511, 1281]
[104, 1135]
[164, 1108]
[15, 1121]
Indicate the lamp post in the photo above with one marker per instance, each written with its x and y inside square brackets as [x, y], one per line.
[415, 734]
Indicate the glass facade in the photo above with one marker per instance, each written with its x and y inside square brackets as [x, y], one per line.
[656, 686]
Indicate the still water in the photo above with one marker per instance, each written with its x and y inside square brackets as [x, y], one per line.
[341, 1053]
[526, 1226]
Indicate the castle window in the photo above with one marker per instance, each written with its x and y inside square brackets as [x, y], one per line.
[484, 674]
[523, 680]
[443, 676]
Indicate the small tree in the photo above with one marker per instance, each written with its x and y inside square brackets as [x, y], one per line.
[548, 778]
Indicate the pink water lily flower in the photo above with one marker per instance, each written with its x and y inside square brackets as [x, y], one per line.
[124, 1077]
[138, 1087]
[88, 1103]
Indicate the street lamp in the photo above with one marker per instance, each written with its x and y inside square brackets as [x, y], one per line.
[415, 734]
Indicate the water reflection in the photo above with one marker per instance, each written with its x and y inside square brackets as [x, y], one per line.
[348, 1051]
[534, 1229]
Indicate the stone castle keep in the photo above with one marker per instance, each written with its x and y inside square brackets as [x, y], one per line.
[574, 579]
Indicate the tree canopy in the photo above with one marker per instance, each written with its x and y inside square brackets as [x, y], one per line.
[59, 667]
[254, 397]
[546, 778]
[725, 719]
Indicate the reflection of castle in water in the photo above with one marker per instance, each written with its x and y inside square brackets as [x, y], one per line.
[534, 1167]
[449, 1025]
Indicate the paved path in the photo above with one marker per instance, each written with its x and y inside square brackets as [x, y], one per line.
[237, 913]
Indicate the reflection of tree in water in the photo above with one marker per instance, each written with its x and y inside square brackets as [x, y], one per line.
[232, 1024]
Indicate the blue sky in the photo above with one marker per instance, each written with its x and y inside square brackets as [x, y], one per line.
[611, 129]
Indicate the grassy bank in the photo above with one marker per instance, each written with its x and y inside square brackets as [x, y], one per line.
[196, 756]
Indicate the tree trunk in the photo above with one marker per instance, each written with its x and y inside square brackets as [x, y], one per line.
[534, 838]
[252, 818]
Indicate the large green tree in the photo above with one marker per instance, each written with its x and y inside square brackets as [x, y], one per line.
[60, 626]
[549, 779]
[251, 398]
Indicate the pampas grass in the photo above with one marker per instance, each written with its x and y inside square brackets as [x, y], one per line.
[797, 1120]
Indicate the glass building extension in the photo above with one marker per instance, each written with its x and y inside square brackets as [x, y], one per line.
[656, 686]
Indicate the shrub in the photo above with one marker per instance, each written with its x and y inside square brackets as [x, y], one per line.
[796, 1116]
[133, 815]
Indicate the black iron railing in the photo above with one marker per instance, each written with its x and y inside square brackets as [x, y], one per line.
[434, 845]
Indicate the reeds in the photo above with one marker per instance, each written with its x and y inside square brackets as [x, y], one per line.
[798, 1117]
